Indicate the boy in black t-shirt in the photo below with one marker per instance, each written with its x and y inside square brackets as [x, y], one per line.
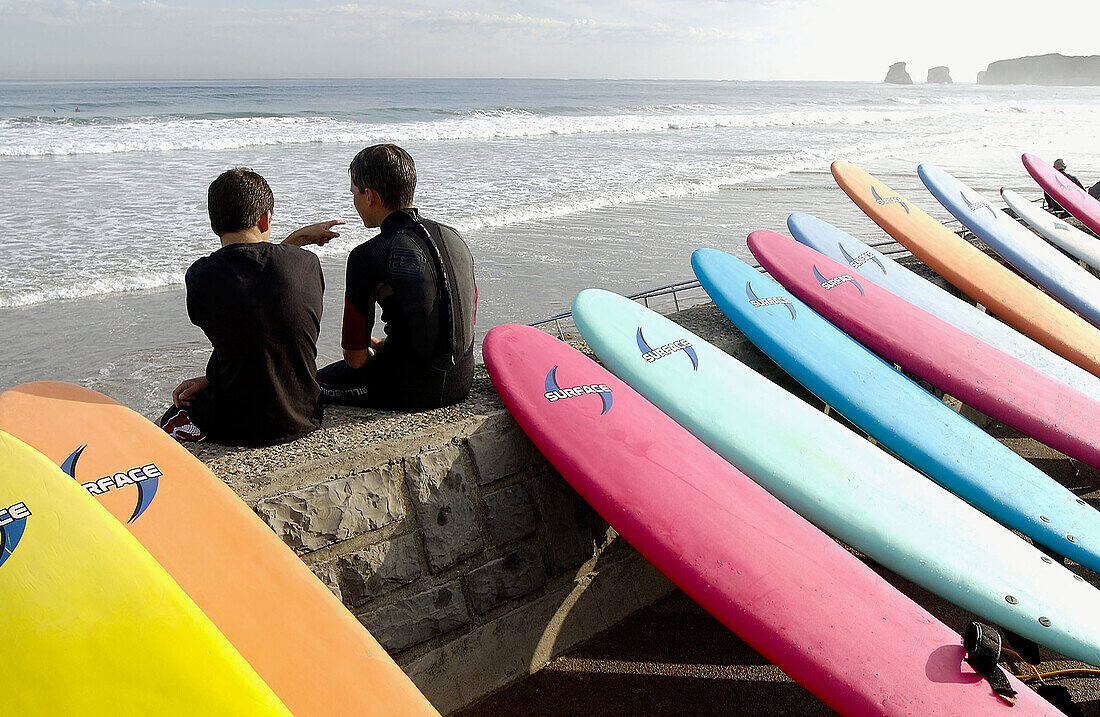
[421, 274]
[260, 305]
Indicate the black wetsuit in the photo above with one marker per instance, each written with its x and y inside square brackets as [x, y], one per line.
[260, 306]
[421, 274]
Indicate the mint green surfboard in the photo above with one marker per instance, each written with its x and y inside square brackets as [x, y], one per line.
[841, 482]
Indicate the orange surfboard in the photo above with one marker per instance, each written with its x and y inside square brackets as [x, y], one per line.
[297, 636]
[1001, 291]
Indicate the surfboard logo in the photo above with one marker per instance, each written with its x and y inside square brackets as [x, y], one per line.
[656, 354]
[13, 521]
[756, 302]
[976, 206]
[857, 261]
[830, 284]
[883, 201]
[1061, 226]
[554, 392]
[146, 478]
[1070, 186]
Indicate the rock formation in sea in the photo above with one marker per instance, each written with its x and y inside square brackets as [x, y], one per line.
[939, 75]
[1053, 69]
[897, 75]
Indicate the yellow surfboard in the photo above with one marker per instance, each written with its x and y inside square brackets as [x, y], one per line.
[1003, 292]
[316, 656]
[91, 625]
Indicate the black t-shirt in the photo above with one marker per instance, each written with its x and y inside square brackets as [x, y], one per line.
[400, 270]
[260, 305]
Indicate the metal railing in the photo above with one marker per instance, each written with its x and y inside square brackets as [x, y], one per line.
[679, 288]
[888, 247]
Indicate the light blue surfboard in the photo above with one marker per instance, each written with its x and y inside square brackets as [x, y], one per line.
[1062, 277]
[833, 477]
[892, 276]
[899, 414]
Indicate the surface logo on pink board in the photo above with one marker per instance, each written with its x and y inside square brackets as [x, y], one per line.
[756, 302]
[830, 284]
[554, 392]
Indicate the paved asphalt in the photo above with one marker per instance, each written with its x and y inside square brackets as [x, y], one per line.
[674, 659]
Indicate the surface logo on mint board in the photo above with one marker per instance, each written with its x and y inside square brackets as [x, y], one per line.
[554, 392]
[977, 206]
[656, 354]
[146, 478]
[883, 201]
[830, 284]
[756, 302]
[13, 521]
[857, 261]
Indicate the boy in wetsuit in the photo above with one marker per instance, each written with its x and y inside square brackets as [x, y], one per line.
[260, 306]
[1053, 206]
[421, 274]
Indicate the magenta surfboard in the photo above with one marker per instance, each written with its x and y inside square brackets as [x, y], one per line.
[967, 368]
[782, 585]
[1075, 200]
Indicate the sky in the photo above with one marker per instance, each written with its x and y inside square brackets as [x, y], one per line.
[685, 39]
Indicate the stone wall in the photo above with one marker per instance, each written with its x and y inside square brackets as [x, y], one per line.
[457, 545]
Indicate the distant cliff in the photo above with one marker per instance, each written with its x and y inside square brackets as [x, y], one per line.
[939, 75]
[897, 75]
[1043, 70]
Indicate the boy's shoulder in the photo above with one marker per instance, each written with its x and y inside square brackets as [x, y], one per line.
[237, 258]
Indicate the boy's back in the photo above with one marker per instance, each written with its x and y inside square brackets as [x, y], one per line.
[260, 305]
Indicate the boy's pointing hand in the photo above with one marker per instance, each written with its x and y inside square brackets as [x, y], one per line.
[319, 234]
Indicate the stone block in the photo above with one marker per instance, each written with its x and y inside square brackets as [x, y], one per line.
[506, 578]
[439, 482]
[365, 574]
[418, 618]
[570, 524]
[323, 514]
[508, 514]
[501, 448]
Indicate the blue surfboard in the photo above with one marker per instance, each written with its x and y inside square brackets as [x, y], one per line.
[898, 413]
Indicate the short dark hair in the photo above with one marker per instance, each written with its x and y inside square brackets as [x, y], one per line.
[237, 199]
[388, 170]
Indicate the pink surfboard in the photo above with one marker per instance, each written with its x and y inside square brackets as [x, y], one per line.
[1075, 200]
[969, 369]
[782, 585]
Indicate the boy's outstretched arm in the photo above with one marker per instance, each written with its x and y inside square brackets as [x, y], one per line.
[319, 234]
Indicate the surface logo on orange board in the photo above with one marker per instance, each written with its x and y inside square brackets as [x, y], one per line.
[13, 521]
[145, 477]
[883, 201]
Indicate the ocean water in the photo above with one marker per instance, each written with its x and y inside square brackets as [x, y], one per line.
[556, 184]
